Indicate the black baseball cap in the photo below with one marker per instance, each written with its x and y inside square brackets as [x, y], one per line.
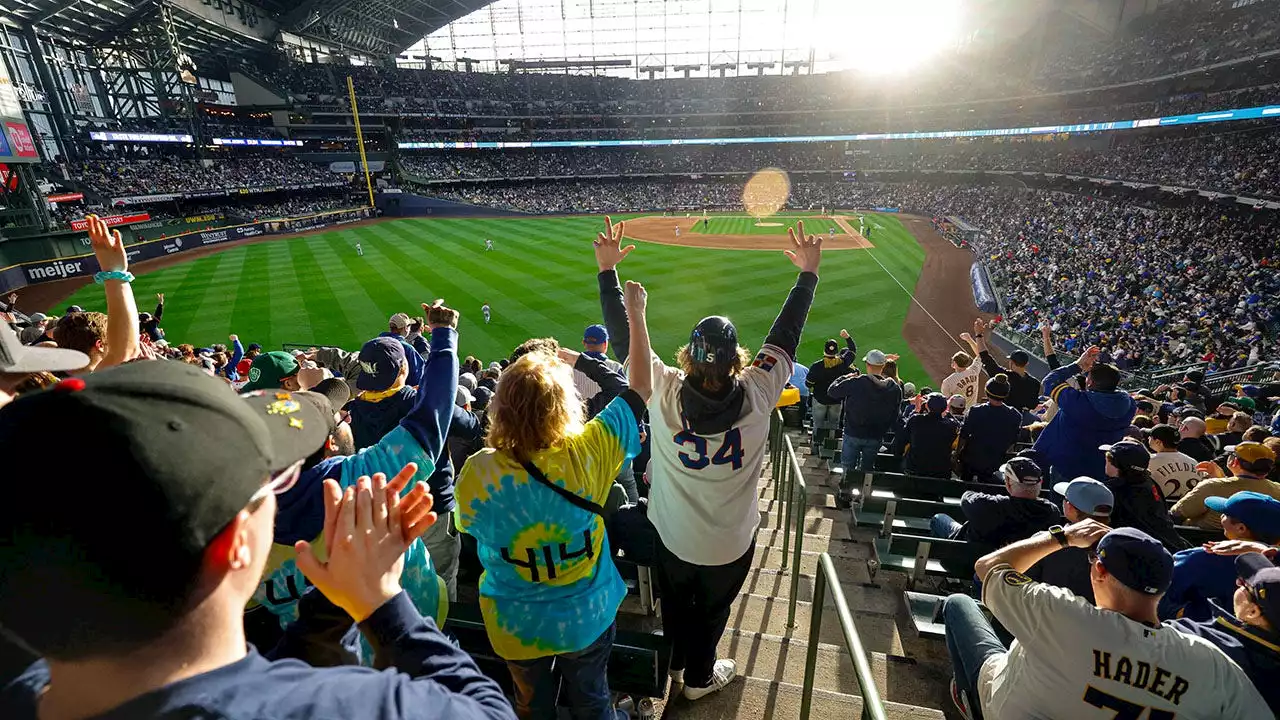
[714, 341]
[1023, 470]
[380, 361]
[1128, 453]
[165, 456]
[1137, 560]
[831, 348]
[1262, 578]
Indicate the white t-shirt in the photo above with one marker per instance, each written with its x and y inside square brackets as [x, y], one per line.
[1073, 660]
[1174, 472]
[703, 494]
[964, 383]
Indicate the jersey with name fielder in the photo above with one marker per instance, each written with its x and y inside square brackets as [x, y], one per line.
[1174, 472]
[703, 499]
[1074, 660]
[964, 383]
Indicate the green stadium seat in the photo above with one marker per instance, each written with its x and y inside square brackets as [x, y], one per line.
[919, 556]
[924, 611]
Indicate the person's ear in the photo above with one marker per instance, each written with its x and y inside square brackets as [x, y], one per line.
[330, 445]
[231, 549]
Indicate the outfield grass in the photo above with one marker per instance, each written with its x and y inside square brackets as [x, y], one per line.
[540, 281]
[747, 225]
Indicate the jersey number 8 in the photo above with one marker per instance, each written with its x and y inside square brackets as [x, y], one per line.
[730, 452]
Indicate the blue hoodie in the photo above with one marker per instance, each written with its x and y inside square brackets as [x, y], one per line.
[1085, 420]
[419, 438]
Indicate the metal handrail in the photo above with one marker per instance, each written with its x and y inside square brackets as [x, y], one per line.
[872, 705]
[790, 495]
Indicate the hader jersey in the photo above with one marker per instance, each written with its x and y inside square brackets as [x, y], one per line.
[703, 495]
[964, 383]
[1072, 660]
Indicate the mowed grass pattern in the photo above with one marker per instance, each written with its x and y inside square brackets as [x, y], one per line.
[540, 281]
[747, 225]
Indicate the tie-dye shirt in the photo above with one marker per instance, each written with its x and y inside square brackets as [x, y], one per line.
[549, 585]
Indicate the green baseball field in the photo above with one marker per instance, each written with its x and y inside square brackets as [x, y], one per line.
[539, 281]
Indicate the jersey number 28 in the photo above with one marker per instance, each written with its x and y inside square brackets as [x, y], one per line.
[730, 452]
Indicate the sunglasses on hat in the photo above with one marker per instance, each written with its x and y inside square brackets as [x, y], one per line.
[279, 484]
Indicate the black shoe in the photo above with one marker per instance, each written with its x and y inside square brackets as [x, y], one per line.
[844, 501]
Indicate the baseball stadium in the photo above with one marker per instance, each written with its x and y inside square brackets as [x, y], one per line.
[962, 396]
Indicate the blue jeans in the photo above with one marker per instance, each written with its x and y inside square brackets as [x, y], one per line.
[970, 641]
[859, 452]
[943, 526]
[586, 682]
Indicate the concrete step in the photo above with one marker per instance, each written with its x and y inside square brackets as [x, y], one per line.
[898, 679]
[874, 617]
[815, 525]
[837, 543]
[847, 565]
[750, 698]
[827, 510]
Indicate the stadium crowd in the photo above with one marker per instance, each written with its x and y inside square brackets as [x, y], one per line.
[115, 177]
[388, 455]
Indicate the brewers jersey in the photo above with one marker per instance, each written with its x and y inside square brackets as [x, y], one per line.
[1174, 472]
[964, 383]
[703, 495]
[1071, 659]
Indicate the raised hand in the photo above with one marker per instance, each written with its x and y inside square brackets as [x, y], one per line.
[806, 250]
[233, 337]
[438, 315]
[365, 534]
[608, 245]
[160, 298]
[107, 245]
[635, 297]
[844, 334]
[567, 356]
[979, 326]
[1089, 357]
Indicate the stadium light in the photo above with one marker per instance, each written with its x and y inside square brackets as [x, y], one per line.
[883, 37]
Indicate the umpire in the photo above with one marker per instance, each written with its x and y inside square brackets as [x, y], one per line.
[826, 409]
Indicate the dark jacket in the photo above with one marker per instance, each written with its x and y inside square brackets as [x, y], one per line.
[871, 404]
[1199, 578]
[151, 328]
[986, 436]
[821, 375]
[993, 521]
[427, 676]
[370, 420]
[1024, 390]
[1085, 420]
[1066, 568]
[1255, 650]
[926, 440]
[1140, 504]
[1198, 448]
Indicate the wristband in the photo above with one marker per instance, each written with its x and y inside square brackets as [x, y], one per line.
[121, 275]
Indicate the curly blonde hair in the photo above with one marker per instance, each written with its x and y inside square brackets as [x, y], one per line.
[536, 406]
[713, 377]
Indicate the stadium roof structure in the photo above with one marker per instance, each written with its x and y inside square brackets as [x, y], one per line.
[238, 28]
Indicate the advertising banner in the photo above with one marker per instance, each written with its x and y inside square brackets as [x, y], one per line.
[113, 220]
[65, 197]
[20, 140]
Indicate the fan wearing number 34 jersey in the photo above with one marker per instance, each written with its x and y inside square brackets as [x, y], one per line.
[709, 416]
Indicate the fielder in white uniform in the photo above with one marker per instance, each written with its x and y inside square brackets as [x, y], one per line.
[359, 250]
[488, 244]
[484, 310]
[966, 371]
[710, 426]
[1071, 659]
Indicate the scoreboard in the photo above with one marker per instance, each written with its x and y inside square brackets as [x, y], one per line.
[16, 142]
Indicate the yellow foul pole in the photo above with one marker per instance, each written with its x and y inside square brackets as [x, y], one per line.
[364, 163]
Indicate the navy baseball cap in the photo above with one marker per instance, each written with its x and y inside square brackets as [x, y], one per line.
[380, 361]
[1260, 513]
[936, 402]
[1024, 470]
[1087, 495]
[1262, 578]
[1128, 453]
[714, 341]
[595, 334]
[1137, 560]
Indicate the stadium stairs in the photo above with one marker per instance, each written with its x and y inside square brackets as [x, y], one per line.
[910, 673]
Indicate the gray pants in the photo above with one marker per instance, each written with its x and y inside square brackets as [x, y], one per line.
[627, 479]
[443, 544]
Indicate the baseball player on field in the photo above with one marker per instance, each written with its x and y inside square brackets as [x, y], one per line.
[488, 244]
[359, 250]
[484, 310]
[710, 418]
[1074, 659]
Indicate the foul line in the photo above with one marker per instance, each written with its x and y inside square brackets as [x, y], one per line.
[913, 296]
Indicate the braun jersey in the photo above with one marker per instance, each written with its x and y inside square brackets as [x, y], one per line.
[703, 494]
[964, 383]
[1071, 659]
[1174, 472]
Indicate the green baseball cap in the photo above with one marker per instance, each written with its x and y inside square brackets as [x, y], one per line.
[269, 369]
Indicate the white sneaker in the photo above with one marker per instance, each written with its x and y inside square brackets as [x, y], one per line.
[677, 676]
[722, 674]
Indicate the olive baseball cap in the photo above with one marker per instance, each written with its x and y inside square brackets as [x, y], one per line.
[269, 369]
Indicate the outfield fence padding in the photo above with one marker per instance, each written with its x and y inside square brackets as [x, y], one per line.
[984, 295]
